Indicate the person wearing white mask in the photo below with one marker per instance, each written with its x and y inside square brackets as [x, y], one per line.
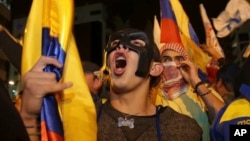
[184, 91]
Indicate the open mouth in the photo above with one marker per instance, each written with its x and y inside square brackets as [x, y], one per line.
[120, 63]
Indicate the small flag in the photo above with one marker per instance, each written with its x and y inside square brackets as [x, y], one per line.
[235, 14]
[211, 39]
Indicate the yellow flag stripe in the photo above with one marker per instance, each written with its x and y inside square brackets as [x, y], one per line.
[32, 37]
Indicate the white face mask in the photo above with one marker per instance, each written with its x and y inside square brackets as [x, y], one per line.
[174, 84]
[171, 74]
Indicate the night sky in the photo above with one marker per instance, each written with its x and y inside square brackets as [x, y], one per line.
[137, 13]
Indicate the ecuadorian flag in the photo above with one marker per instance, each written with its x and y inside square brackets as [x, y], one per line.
[71, 116]
[183, 21]
[183, 34]
[188, 37]
[169, 29]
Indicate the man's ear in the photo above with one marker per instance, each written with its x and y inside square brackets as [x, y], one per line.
[156, 69]
[97, 83]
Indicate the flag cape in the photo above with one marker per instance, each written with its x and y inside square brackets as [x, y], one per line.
[52, 36]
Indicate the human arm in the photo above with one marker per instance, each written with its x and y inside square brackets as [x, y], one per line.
[190, 73]
[36, 85]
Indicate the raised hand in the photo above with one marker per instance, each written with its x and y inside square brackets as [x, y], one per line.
[189, 71]
[37, 84]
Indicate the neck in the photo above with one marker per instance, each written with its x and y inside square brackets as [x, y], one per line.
[133, 102]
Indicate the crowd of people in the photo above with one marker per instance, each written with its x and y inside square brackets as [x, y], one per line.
[154, 94]
[167, 100]
[184, 91]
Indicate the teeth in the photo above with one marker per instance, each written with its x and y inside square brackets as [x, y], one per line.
[120, 58]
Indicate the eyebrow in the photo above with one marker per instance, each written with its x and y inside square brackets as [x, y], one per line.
[171, 56]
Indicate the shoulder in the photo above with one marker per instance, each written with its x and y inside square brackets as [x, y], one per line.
[232, 111]
[230, 115]
[179, 124]
[172, 117]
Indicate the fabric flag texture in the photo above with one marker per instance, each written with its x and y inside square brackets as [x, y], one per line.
[189, 38]
[211, 39]
[169, 30]
[183, 21]
[235, 14]
[170, 33]
[157, 33]
[52, 36]
[196, 55]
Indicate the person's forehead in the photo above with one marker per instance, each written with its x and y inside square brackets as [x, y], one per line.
[89, 74]
[129, 34]
[170, 52]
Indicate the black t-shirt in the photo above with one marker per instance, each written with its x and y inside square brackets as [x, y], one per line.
[166, 124]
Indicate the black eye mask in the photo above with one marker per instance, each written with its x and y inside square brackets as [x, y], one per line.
[145, 52]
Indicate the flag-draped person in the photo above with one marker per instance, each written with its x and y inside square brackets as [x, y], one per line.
[179, 87]
[69, 114]
[175, 94]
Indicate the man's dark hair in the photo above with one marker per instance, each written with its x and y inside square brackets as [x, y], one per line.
[90, 67]
[227, 74]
